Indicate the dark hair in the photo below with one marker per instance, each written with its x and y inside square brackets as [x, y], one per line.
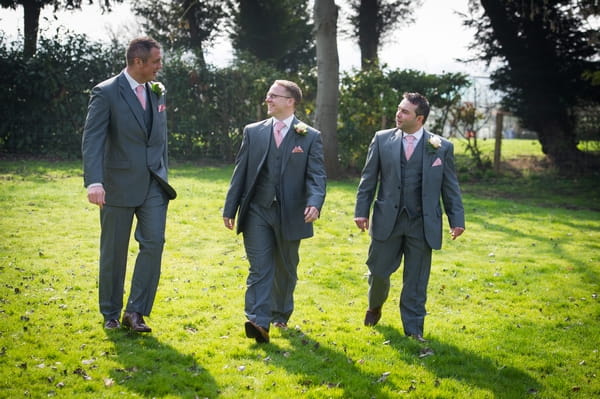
[292, 88]
[421, 102]
[140, 48]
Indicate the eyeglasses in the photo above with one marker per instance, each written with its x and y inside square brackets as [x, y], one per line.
[271, 96]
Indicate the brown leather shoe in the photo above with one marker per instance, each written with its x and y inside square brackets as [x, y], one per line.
[281, 325]
[372, 316]
[135, 322]
[257, 332]
[112, 324]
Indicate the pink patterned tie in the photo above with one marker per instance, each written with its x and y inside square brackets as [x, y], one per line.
[279, 125]
[139, 92]
[410, 145]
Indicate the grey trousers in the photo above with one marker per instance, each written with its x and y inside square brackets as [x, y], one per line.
[273, 262]
[116, 223]
[407, 240]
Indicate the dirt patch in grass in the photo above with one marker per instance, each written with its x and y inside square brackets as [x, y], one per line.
[525, 165]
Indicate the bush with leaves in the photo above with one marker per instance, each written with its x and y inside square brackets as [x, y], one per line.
[45, 97]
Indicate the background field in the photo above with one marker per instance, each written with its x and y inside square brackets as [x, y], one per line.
[513, 306]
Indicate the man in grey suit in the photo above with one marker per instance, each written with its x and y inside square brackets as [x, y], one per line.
[124, 151]
[277, 189]
[413, 169]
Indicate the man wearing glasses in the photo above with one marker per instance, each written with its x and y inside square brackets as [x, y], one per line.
[277, 189]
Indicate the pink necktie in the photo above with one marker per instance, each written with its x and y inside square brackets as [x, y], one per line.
[139, 92]
[279, 125]
[410, 145]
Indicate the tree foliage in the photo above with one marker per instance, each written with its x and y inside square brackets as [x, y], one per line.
[373, 20]
[182, 24]
[548, 55]
[31, 16]
[278, 32]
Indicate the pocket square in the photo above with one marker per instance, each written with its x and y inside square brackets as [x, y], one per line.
[297, 149]
[161, 107]
[437, 162]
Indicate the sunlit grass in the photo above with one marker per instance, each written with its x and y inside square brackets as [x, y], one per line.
[513, 308]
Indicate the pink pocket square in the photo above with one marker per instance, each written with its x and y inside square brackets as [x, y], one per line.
[297, 149]
[161, 107]
[437, 162]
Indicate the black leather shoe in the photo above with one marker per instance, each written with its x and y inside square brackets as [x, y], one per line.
[135, 322]
[372, 316]
[112, 324]
[255, 331]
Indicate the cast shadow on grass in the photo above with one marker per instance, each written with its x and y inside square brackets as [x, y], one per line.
[154, 369]
[320, 368]
[553, 244]
[473, 369]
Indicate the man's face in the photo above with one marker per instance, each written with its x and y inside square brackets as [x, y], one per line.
[147, 71]
[280, 103]
[406, 117]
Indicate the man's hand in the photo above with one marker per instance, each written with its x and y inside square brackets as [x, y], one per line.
[362, 223]
[456, 231]
[228, 222]
[96, 195]
[310, 214]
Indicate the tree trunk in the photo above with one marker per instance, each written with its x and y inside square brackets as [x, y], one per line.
[31, 14]
[368, 34]
[547, 114]
[189, 14]
[328, 65]
[498, 142]
[559, 145]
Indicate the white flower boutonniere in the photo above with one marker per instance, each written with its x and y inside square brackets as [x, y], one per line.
[301, 128]
[158, 88]
[434, 143]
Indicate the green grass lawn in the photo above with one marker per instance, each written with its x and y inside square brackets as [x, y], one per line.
[513, 306]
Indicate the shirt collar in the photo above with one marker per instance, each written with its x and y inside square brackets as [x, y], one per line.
[288, 123]
[418, 134]
[132, 82]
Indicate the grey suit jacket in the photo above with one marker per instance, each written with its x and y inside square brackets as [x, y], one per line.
[117, 149]
[302, 178]
[383, 167]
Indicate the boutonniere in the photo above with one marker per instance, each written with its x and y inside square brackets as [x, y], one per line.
[301, 128]
[158, 88]
[434, 143]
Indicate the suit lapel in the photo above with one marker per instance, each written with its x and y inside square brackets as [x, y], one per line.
[396, 148]
[132, 101]
[152, 103]
[428, 156]
[264, 137]
[288, 144]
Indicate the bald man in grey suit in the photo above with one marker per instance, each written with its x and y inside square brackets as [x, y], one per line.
[413, 169]
[125, 168]
[277, 190]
